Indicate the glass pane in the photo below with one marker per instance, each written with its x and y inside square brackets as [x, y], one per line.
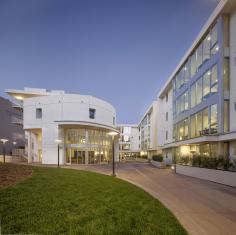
[213, 119]
[193, 95]
[206, 48]
[199, 91]
[214, 78]
[206, 84]
[193, 126]
[193, 64]
[226, 74]
[186, 101]
[205, 119]
[215, 49]
[198, 123]
[214, 35]
[199, 56]
[226, 116]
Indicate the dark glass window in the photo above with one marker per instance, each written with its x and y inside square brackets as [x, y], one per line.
[38, 113]
[92, 113]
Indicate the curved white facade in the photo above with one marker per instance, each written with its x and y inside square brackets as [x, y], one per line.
[49, 116]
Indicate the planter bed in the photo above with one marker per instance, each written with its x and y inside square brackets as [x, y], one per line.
[158, 164]
[217, 176]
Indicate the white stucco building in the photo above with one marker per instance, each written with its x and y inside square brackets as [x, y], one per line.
[81, 123]
[129, 141]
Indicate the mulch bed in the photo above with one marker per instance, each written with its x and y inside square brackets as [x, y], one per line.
[10, 174]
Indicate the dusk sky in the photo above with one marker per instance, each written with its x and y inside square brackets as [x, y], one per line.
[121, 51]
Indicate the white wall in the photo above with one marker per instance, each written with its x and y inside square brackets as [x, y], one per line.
[63, 107]
[162, 124]
[135, 142]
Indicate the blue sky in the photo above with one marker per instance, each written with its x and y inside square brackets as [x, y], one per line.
[121, 51]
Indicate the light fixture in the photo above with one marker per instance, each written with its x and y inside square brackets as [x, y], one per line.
[172, 167]
[209, 38]
[58, 141]
[14, 142]
[217, 48]
[18, 97]
[4, 140]
[209, 73]
[112, 133]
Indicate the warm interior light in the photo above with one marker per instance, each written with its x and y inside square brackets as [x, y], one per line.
[58, 141]
[185, 150]
[18, 97]
[4, 140]
[112, 133]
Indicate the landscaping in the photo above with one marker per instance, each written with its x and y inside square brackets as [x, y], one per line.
[65, 201]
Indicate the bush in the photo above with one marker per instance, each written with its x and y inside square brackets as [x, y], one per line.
[158, 158]
[145, 156]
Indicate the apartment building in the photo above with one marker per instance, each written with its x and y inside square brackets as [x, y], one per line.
[129, 141]
[148, 131]
[11, 126]
[203, 88]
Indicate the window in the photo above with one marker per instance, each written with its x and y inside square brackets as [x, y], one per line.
[166, 116]
[114, 120]
[182, 103]
[214, 40]
[92, 113]
[166, 97]
[199, 91]
[226, 116]
[182, 130]
[213, 119]
[38, 113]
[206, 84]
[226, 74]
[166, 135]
[199, 123]
[206, 48]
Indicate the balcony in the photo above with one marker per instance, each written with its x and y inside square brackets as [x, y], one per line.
[16, 121]
[18, 106]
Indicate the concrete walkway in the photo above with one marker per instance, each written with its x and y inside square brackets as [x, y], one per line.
[202, 207]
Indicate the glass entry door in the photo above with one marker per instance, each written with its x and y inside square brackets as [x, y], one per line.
[75, 156]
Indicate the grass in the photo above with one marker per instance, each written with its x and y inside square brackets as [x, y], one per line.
[64, 201]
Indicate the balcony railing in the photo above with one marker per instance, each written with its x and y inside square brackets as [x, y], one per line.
[16, 120]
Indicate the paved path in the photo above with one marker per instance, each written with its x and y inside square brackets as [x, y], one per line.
[202, 207]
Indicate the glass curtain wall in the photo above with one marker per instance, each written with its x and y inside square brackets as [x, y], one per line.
[206, 48]
[87, 146]
[204, 87]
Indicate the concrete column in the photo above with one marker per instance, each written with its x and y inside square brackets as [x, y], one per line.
[220, 149]
[30, 147]
[86, 152]
[116, 149]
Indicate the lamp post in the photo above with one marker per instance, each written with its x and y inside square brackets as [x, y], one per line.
[113, 134]
[58, 141]
[4, 151]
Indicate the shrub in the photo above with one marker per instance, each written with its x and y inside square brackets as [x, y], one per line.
[144, 156]
[158, 158]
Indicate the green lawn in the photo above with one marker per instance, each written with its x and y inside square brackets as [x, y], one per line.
[63, 201]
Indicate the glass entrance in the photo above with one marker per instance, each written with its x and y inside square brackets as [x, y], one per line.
[75, 156]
